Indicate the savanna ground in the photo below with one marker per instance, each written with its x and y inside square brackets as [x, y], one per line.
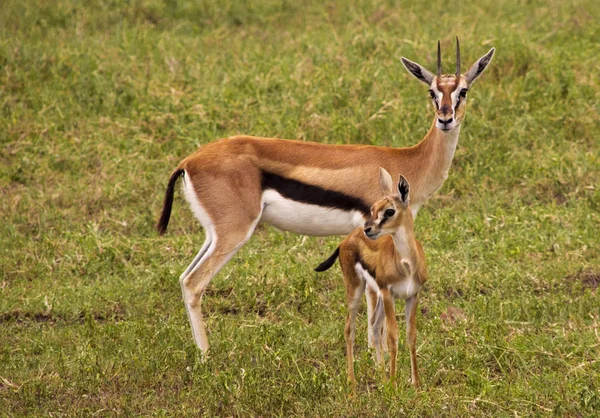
[100, 100]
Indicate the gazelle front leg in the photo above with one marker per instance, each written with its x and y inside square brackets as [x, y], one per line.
[392, 332]
[371, 302]
[411, 336]
[353, 295]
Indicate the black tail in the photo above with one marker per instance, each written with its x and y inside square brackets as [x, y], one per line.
[166, 212]
[329, 262]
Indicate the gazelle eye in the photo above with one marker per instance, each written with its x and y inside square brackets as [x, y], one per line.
[432, 94]
[389, 212]
[463, 93]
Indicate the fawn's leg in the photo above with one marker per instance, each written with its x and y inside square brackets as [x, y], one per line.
[392, 331]
[353, 295]
[411, 336]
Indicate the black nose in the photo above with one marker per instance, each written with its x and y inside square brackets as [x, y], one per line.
[367, 230]
[445, 122]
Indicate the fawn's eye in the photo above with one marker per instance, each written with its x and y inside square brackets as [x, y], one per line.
[389, 212]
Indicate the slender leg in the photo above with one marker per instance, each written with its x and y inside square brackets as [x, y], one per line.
[392, 332]
[220, 251]
[411, 336]
[353, 295]
[208, 240]
[371, 302]
[378, 322]
[229, 212]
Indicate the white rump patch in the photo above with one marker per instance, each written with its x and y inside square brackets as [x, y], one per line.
[364, 274]
[205, 220]
[303, 218]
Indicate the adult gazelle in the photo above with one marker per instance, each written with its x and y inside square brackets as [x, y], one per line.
[234, 183]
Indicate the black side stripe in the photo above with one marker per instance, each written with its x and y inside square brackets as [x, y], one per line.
[314, 195]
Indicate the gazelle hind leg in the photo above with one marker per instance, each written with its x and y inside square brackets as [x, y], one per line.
[205, 221]
[371, 303]
[378, 322]
[229, 213]
[206, 250]
[207, 241]
[220, 251]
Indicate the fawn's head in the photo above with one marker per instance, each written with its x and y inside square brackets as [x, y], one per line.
[449, 91]
[392, 211]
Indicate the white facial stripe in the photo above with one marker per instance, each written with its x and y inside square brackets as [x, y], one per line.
[454, 97]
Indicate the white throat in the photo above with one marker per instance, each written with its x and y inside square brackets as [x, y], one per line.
[403, 244]
[450, 141]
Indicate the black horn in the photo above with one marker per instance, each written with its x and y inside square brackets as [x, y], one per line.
[457, 58]
[439, 73]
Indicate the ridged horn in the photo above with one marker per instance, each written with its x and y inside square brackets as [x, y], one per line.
[457, 58]
[439, 72]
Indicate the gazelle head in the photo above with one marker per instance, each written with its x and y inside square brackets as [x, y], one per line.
[449, 91]
[392, 211]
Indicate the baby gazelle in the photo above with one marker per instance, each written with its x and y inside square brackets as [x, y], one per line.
[390, 267]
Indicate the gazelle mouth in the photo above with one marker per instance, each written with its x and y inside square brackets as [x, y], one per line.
[372, 235]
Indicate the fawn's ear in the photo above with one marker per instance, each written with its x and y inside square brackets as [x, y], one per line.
[385, 181]
[480, 65]
[403, 189]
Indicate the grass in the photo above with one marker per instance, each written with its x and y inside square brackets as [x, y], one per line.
[100, 100]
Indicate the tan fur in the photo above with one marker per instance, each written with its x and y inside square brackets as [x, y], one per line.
[343, 168]
[392, 259]
[225, 176]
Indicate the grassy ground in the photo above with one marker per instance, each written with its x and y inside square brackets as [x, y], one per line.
[100, 100]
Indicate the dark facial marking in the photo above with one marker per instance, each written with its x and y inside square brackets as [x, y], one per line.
[462, 95]
[314, 195]
[386, 215]
[434, 98]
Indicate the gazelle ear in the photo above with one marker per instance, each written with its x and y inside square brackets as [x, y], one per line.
[418, 71]
[385, 181]
[403, 189]
[480, 65]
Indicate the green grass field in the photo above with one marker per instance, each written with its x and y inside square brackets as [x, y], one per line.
[100, 100]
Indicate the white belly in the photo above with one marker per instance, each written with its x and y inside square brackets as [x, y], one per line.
[406, 288]
[306, 219]
[401, 290]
